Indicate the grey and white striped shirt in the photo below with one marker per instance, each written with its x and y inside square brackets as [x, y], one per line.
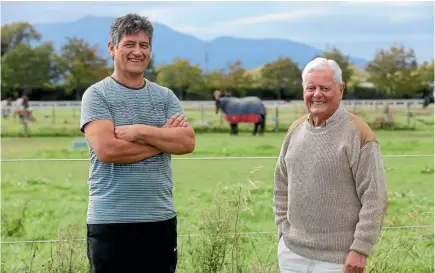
[134, 192]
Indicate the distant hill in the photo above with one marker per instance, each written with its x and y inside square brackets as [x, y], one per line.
[169, 44]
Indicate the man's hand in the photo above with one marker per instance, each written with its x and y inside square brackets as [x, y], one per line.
[177, 120]
[355, 263]
[128, 132]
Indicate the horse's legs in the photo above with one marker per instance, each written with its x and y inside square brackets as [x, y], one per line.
[262, 124]
[256, 128]
[234, 129]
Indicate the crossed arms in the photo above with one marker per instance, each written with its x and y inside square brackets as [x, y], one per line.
[131, 143]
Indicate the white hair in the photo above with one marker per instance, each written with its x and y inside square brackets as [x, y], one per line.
[321, 64]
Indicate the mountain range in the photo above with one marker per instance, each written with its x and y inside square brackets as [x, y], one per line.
[169, 44]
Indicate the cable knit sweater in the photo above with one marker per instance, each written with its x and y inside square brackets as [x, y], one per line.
[330, 190]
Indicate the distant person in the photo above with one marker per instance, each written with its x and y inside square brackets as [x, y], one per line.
[330, 192]
[132, 126]
[22, 109]
[25, 102]
[6, 107]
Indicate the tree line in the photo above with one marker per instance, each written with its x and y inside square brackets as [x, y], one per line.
[44, 74]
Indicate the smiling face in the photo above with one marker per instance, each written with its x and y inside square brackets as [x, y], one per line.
[132, 54]
[322, 95]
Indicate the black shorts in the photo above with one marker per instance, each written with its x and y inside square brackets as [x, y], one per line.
[133, 247]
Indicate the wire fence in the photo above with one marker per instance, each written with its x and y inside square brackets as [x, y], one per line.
[199, 235]
[200, 158]
[195, 158]
[62, 118]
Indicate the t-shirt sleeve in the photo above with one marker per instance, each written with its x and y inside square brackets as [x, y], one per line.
[94, 107]
[174, 105]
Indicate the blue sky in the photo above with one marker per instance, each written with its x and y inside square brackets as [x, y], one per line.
[358, 28]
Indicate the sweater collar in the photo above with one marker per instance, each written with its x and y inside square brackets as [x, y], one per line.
[337, 116]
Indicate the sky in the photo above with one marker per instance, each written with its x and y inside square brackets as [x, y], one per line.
[357, 28]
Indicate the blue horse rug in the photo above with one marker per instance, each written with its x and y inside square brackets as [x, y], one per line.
[238, 110]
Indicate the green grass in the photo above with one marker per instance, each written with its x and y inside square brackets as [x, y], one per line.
[48, 200]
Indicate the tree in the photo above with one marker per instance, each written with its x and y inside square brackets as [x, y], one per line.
[150, 72]
[216, 79]
[80, 65]
[282, 75]
[181, 76]
[237, 79]
[27, 68]
[394, 71]
[426, 73]
[353, 85]
[342, 60]
[16, 34]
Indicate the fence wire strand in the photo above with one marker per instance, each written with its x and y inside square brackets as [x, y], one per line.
[196, 158]
[199, 235]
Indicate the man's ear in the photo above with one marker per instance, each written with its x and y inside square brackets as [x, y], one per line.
[111, 48]
[342, 87]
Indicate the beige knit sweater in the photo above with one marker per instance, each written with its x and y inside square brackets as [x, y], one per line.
[330, 190]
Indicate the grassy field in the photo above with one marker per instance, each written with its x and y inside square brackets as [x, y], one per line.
[48, 200]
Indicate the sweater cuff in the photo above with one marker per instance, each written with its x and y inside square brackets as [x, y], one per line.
[361, 247]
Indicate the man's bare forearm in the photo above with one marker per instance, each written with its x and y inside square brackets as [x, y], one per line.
[122, 151]
[179, 140]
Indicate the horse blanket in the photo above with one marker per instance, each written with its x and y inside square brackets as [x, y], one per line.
[238, 110]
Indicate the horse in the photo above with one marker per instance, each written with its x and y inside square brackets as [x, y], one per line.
[241, 110]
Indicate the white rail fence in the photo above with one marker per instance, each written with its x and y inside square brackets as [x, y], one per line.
[274, 108]
[210, 104]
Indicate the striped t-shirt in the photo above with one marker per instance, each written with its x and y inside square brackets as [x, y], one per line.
[134, 192]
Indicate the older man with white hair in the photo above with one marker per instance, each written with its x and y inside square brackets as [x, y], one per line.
[330, 188]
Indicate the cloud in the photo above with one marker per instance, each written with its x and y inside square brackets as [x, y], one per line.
[182, 17]
[278, 17]
[170, 14]
[365, 38]
[165, 15]
[384, 3]
[177, 12]
[404, 16]
[235, 26]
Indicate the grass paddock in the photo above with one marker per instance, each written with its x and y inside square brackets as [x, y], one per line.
[46, 200]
